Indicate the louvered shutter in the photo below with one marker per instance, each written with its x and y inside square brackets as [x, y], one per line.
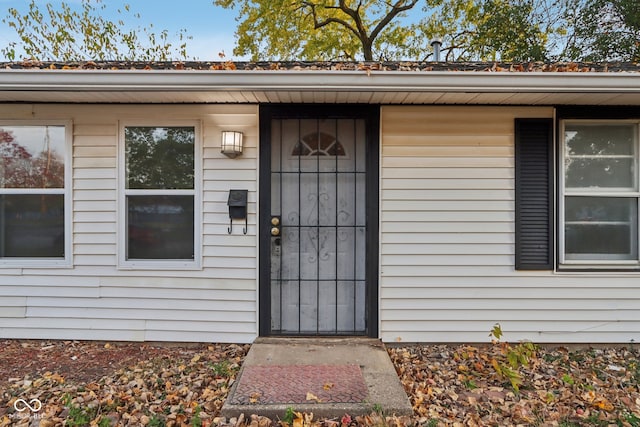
[534, 194]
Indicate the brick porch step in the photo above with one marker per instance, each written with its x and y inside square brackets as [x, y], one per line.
[329, 377]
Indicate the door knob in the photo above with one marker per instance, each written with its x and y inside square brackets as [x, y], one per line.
[275, 222]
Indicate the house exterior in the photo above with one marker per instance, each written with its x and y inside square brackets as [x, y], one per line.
[408, 202]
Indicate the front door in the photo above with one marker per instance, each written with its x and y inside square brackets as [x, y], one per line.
[318, 220]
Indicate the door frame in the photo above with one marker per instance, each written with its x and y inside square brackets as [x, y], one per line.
[371, 114]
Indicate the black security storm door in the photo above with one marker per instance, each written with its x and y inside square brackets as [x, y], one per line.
[318, 213]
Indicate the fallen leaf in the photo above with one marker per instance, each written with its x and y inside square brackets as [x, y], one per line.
[604, 404]
[311, 396]
[298, 421]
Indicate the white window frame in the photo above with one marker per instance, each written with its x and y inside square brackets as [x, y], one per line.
[196, 192]
[33, 262]
[631, 193]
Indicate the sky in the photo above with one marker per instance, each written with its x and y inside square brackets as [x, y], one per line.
[211, 27]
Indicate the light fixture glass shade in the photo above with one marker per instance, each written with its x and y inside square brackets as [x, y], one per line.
[231, 143]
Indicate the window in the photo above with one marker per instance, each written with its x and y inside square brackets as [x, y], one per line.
[32, 193]
[160, 196]
[600, 193]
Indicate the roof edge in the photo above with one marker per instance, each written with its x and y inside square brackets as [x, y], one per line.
[331, 65]
[102, 80]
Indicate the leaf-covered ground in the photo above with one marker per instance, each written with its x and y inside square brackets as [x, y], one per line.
[97, 384]
[469, 386]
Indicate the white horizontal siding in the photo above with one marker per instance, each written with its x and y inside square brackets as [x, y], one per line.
[564, 284]
[502, 299]
[96, 300]
[454, 205]
[448, 173]
[446, 194]
[449, 183]
[479, 333]
[447, 240]
[49, 290]
[538, 327]
[446, 249]
[389, 238]
[453, 216]
[83, 332]
[13, 307]
[213, 307]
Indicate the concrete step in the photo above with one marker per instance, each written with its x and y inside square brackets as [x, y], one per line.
[328, 377]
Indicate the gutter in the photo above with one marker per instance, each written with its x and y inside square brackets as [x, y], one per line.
[316, 81]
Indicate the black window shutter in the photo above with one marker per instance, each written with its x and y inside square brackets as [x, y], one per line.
[534, 194]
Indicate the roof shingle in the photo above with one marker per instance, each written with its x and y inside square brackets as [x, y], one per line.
[332, 66]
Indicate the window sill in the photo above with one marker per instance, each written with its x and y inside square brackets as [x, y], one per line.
[599, 268]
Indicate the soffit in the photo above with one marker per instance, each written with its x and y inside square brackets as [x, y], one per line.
[489, 86]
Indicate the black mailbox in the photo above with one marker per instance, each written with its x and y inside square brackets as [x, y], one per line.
[238, 208]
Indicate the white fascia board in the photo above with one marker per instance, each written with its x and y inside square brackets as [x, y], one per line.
[316, 80]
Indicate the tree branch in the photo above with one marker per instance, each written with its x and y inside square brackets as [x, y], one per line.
[358, 27]
[319, 24]
[395, 10]
[357, 19]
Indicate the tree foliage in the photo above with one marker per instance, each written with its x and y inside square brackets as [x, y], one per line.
[390, 30]
[605, 30]
[313, 30]
[488, 30]
[470, 30]
[525, 39]
[320, 29]
[72, 33]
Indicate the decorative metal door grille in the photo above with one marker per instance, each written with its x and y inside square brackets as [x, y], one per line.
[318, 242]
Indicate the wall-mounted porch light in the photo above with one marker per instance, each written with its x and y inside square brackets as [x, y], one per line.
[231, 143]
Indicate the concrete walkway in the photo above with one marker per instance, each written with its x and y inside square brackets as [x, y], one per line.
[326, 376]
